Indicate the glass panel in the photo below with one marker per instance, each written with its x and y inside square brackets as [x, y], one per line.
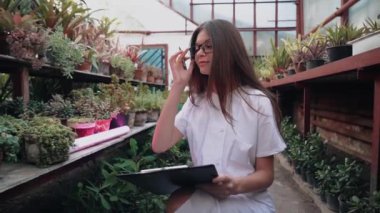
[223, 11]
[286, 34]
[222, 1]
[244, 15]
[202, 13]
[263, 42]
[316, 11]
[364, 9]
[201, 1]
[182, 7]
[248, 41]
[166, 2]
[286, 15]
[265, 15]
[153, 56]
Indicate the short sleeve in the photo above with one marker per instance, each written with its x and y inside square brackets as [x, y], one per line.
[180, 121]
[270, 141]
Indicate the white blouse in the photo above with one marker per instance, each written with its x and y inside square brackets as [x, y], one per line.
[233, 150]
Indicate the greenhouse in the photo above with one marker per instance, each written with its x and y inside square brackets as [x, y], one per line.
[190, 106]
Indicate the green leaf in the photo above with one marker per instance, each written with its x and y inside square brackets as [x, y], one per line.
[104, 202]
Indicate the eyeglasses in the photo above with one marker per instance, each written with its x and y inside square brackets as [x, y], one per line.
[206, 48]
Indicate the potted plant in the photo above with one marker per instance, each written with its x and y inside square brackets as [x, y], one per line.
[118, 101]
[68, 14]
[345, 177]
[262, 69]
[9, 21]
[84, 104]
[154, 104]
[130, 94]
[10, 143]
[279, 60]
[122, 66]
[47, 141]
[315, 49]
[60, 108]
[63, 53]
[370, 38]
[297, 53]
[103, 114]
[151, 73]
[141, 105]
[338, 38]
[29, 44]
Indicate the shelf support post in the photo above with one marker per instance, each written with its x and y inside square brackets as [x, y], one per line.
[20, 80]
[306, 110]
[375, 159]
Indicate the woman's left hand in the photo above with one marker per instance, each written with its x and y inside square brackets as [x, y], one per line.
[221, 187]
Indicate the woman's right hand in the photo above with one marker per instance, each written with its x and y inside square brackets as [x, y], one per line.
[181, 76]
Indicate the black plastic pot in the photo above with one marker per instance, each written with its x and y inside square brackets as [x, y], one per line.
[4, 46]
[322, 195]
[310, 178]
[332, 202]
[339, 52]
[291, 72]
[314, 63]
[343, 206]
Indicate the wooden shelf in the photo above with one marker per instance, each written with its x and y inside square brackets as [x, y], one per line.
[20, 176]
[9, 64]
[361, 66]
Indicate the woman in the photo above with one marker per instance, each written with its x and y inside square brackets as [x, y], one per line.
[230, 120]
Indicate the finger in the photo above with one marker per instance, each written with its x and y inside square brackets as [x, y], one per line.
[191, 67]
[221, 179]
[182, 56]
[174, 57]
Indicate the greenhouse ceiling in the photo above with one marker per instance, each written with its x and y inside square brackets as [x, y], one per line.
[258, 21]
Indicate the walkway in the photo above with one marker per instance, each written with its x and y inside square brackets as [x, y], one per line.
[287, 194]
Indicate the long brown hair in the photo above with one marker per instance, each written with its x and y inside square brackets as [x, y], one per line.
[231, 68]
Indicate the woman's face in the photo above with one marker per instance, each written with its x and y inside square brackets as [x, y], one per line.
[203, 52]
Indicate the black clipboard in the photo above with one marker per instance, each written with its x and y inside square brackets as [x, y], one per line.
[168, 179]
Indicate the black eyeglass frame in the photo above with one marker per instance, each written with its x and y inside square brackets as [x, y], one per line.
[193, 49]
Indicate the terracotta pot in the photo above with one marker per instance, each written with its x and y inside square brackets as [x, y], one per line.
[150, 79]
[139, 74]
[158, 81]
[85, 66]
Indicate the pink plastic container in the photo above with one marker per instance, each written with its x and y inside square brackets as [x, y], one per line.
[84, 129]
[102, 125]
